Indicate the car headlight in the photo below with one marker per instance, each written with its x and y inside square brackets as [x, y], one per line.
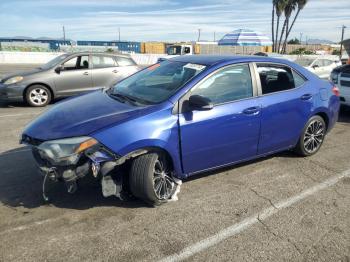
[66, 151]
[13, 80]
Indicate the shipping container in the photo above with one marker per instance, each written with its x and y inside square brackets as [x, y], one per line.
[125, 46]
[154, 48]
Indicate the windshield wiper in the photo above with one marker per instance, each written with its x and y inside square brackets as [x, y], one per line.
[122, 98]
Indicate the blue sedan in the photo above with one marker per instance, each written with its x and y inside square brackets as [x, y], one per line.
[180, 117]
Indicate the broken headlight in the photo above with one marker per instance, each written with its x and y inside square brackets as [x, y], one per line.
[65, 151]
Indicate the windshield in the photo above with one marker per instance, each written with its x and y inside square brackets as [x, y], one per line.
[156, 83]
[304, 62]
[174, 50]
[54, 62]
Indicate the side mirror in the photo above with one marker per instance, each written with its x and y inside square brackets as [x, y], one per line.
[315, 66]
[197, 102]
[58, 69]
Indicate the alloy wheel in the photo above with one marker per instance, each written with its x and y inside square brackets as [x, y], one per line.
[314, 136]
[38, 96]
[163, 184]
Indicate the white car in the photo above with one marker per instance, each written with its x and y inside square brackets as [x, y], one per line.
[341, 77]
[321, 66]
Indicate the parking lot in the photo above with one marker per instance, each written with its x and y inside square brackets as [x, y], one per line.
[277, 208]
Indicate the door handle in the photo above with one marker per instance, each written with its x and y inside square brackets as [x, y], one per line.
[251, 110]
[86, 73]
[306, 97]
[115, 71]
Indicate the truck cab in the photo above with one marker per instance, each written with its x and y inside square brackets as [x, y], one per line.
[176, 50]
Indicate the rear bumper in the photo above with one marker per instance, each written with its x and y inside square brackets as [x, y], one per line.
[11, 93]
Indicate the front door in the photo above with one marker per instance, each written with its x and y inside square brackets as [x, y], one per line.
[227, 133]
[74, 77]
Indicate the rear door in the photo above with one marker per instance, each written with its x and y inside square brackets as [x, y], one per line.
[227, 133]
[126, 67]
[287, 100]
[104, 70]
[74, 77]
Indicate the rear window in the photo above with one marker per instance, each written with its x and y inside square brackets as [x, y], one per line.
[103, 61]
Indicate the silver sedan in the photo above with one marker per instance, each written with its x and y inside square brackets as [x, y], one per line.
[66, 75]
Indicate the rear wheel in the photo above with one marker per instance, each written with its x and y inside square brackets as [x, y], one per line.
[38, 95]
[312, 136]
[151, 178]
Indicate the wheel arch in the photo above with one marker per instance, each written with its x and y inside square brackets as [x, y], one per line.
[153, 149]
[41, 84]
[324, 116]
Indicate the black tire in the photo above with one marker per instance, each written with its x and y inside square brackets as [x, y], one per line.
[144, 176]
[38, 96]
[312, 137]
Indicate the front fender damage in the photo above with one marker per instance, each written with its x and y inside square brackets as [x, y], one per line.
[102, 165]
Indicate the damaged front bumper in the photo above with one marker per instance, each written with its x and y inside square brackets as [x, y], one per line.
[95, 160]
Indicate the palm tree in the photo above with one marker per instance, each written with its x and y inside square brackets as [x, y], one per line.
[301, 4]
[280, 5]
[290, 6]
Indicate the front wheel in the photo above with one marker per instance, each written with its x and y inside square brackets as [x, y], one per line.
[38, 95]
[151, 178]
[312, 136]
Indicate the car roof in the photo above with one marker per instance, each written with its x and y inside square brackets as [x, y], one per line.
[210, 60]
[97, 53]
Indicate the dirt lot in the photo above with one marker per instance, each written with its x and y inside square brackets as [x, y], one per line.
[275, 209]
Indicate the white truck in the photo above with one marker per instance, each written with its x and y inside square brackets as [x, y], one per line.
[178, 50]
[181, 49]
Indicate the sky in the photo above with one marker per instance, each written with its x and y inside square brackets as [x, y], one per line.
[163, 20]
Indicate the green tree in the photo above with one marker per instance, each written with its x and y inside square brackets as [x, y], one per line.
[294, 41]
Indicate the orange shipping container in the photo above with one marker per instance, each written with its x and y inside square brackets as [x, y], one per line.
[154, 48]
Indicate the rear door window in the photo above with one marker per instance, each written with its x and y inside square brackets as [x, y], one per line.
[275, 78]
[103, 62]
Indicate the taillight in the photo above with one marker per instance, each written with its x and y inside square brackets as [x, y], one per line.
[335, 90]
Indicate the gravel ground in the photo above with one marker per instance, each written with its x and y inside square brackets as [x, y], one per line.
[308, 200]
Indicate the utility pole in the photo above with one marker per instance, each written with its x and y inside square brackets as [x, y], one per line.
[119, 34]
[64, 36]
[342, 39]
[301, 37]
[199, 34]
[214, 36]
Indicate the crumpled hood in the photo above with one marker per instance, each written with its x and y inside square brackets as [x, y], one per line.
[81, 116]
